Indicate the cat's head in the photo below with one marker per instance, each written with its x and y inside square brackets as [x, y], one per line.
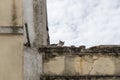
[61, 43]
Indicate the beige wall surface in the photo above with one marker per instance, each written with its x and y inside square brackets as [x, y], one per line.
[11, 13]
[11, 57]
[85, 65]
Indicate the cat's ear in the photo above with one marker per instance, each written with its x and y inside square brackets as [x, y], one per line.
[60, 41]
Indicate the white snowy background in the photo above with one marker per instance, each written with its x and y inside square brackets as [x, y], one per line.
[84, 22]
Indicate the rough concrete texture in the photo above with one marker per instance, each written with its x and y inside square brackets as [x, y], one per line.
[35, 16]
[11, 13]
[40, 23]
[85, 65]
[32, 64]
[53, 65]
[11, 57]
[80, 78]
[77, 61]
[28, 18]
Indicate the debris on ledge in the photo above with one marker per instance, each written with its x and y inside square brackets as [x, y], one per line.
[101, 49]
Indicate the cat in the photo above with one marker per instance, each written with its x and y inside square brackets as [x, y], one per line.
[60, 43]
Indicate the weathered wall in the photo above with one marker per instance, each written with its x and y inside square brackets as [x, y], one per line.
[28, 18]
[11, 57]
[32, 64]
[85, 65]
[11, 40]
[35, 15]
[40, 23]
[78, 61]
[11, 13]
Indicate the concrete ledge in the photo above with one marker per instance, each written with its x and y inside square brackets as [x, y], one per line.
[88, 77]
[11, 30]
[71, 61]
[102, 49]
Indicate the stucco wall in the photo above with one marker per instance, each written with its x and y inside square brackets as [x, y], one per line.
[35, 15]
[32, 64]
[11, 40]
[95, 63]
[85, 65]
[11, 57]
[11, 13]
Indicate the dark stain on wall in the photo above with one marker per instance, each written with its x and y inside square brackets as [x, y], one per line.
[38, 22]
[14, 16]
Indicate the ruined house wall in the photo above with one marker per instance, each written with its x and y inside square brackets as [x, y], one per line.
[40, 23]
[35, 16]
[32, 64]
[77, 61]
[85, 65]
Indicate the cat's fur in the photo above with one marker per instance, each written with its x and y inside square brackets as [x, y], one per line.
[60, 43]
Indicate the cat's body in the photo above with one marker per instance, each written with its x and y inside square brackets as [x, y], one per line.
[60, 43]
